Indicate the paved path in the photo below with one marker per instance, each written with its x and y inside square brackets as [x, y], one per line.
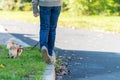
[90, 55]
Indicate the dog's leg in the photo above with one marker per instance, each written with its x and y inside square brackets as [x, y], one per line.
[14, 54]
[10, 54]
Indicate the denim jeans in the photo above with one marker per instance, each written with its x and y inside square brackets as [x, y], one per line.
[48, 23]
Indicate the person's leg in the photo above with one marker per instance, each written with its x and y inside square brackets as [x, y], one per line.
[44, 32]
[55, 11]
[44, 25]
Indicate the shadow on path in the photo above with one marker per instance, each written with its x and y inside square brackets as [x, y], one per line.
[86, 64]
[27, 38]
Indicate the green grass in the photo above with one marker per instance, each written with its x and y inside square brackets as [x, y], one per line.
[29, 66]
[102, 23]
[19, 15]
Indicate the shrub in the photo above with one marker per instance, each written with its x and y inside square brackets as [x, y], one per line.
[26, 7]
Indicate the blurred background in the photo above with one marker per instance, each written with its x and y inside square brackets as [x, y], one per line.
[103, 15]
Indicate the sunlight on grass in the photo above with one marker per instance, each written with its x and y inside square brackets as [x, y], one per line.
[29, 65]
[19, 15]
[102, 23]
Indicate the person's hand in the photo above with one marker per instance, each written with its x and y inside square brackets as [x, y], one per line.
[36, 14]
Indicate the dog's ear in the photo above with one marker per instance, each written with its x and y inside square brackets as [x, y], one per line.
[9, 42]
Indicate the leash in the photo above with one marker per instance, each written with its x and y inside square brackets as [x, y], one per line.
[27, 48]
[34, 46]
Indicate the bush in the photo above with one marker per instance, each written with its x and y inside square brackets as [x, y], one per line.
[26, 7]
[8, 5]
[92, 7]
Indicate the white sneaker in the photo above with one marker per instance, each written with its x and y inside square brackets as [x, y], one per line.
[53, 58]
[45, 55]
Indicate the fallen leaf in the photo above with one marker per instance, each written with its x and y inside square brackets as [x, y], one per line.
[2, 66]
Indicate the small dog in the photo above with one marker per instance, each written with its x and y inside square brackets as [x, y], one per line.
[14, 49]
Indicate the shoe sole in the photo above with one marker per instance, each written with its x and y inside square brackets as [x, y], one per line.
[46, 56]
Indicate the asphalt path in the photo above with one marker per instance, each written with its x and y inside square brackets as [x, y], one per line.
[90, 55]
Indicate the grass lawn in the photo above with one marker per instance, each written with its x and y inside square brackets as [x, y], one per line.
[103, 23]
[29, 66]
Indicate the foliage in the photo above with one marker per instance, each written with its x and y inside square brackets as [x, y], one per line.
[26, 7]
[75, 7]
[26, 0]
[92, 7]
[23, 5]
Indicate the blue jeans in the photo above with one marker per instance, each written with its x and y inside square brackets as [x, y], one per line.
[48, 23]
